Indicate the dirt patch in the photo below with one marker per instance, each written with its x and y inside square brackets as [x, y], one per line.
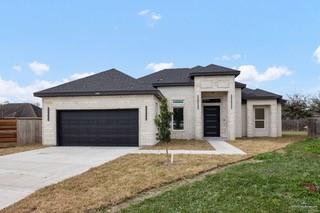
[16, 149]
[175, 144]
[311, 187]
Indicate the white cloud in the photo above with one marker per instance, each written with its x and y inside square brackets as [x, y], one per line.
[249, 73]
[144, 12]
[17, 68]
[14, 92]
[155, 17]
[159, 66]
[151, 16]
[316, 54]
[228, 57]
[38, 68]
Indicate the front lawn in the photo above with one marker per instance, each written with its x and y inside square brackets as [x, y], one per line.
[282, 181]
[175, 144]
[124, 178]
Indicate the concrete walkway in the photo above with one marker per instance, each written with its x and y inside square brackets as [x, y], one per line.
[25, 172]
[221, 148]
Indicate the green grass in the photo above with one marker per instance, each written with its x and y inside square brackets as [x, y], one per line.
[277, 182]
[294, 133]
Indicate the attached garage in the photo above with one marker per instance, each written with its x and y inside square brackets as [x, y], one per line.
[119, 127]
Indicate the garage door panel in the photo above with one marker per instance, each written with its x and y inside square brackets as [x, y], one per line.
[98, 127]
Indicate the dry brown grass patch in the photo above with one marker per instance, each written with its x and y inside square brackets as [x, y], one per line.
[175, 144]
[253, 146]
[16, 149]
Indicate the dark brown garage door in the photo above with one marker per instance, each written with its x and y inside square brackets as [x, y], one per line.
[98, 127]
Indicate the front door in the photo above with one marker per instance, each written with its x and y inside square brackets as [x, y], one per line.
[211, 118]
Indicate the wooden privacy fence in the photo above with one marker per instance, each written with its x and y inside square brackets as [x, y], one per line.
[20, 131]
[294, 125]
[314, 127]
[8, 132]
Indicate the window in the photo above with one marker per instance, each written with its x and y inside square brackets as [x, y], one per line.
[259, 118]
[211, 100]
[48, 114]
[177, 102]
[177, 118]
[146, 111]
[197, 101]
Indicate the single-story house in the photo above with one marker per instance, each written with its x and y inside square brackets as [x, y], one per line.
[19, 110]
[114, 109]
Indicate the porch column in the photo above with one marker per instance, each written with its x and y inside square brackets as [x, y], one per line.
[273, 120]
[250, 119]
[231, 114]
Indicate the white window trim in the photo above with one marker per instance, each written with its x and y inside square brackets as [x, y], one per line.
[264, 119]
[179, 105]
[177, 130]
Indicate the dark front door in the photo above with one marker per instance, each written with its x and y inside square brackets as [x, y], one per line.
[211, 118]
[98, 127]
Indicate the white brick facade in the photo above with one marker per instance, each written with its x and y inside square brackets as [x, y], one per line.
[238, 113]
[224, 84]
[272, 119]
[147, 128]
[236, 119]
[186, 93]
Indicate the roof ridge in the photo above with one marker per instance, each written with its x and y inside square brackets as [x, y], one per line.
[160, 71]
[88, 77]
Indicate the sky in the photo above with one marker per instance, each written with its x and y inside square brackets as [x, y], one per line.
[275, 44]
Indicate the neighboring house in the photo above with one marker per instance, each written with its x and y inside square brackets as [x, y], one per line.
[112, 108]
[19, 110]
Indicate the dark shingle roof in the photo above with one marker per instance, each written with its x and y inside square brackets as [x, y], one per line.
[110, 82]
[114, 82]
[258, 94]
[184, 76]
[18, 110]
[212, 70]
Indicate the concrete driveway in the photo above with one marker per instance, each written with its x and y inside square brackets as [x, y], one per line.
[25, 172]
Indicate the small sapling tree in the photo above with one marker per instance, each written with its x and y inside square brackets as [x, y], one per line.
[162, 121]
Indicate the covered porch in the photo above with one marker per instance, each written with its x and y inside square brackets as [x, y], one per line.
[215, 115]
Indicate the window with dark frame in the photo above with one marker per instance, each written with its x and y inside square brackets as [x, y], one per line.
[178, 120]
[146, 113]
[48, 114]
[259, 118]
[211, 100]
